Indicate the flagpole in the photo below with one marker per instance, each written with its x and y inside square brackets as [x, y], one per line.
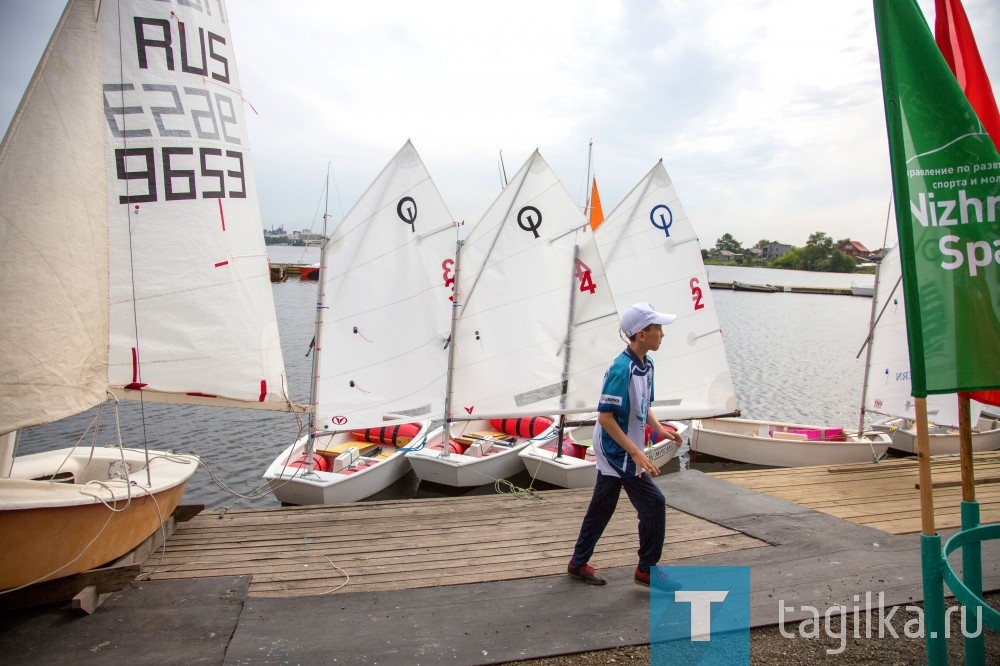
[972, 552]
[930, 547]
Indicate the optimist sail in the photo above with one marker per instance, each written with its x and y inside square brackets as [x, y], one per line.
[651, 253]
[531, 290]
[385, 303]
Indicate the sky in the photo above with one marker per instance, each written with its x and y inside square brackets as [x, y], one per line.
[767, 114]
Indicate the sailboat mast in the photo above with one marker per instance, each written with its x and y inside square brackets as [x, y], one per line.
[568, 348]
[868, 353]
[446, 438]
[873, 320]
[317, 347]
[503, 172]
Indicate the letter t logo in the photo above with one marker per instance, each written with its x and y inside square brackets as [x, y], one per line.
[701, 616]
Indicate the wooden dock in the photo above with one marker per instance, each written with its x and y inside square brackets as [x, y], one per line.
[405, 544]
[885, 496]
[255, 586]
[833, 291]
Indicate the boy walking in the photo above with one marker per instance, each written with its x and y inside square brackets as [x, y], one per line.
[624, 410]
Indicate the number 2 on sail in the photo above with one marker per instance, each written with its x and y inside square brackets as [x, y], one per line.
[696, 294]
[586, 280]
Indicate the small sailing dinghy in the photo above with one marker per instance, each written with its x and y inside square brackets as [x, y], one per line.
[383, 317]
[533, 332]
[779, 444]
[650, 253]
[650, 229]
[156, 285]
[887, 379]
[574, 466]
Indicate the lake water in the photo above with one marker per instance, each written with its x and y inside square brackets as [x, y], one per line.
[792, 357]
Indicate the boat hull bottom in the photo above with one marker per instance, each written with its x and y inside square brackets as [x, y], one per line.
[52, 529]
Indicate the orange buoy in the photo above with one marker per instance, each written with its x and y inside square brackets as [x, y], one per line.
[523, 427]
[320, 464]
[397, 435]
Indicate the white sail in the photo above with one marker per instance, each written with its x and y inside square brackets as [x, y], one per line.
[53, 235]
[525, 267]
[888, 390]
[651, 253]
[386, 287]
[191, 308]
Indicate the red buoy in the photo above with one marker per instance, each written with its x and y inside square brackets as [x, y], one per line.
[652, 437]
[523, 427]
[397, 435]
[320, 464]
[571, 449]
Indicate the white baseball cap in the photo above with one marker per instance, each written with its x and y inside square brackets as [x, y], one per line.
[639, 316]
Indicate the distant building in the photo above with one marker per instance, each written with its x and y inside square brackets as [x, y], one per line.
[726, 255]
[854, 249]
[774, 249]
[307, 237]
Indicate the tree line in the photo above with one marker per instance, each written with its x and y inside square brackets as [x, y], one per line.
[819, 254]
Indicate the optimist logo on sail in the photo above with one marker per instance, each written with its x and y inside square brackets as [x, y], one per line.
[661, 214]
[407, 211]
[529, 222]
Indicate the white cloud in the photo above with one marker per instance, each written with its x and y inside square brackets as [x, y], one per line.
[767, 114]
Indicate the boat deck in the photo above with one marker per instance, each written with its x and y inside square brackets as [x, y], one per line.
[885, 496]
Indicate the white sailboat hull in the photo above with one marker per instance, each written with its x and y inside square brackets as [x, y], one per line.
[543, 463]
[367, 475]
[775, 444]
[943, 439]
[74, 511]
[464, 471]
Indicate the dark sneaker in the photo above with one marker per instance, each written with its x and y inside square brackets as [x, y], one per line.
[657, 579]
[586, 573]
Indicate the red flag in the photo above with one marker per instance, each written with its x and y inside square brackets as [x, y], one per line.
[954, 37]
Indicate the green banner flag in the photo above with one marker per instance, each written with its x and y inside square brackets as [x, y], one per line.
[946, 180]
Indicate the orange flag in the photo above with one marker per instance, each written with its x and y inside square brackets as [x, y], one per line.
[596, 212]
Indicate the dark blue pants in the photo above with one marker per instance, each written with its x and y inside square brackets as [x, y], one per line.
[648, 502]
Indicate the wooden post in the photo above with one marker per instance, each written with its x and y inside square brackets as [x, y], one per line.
[972, 553]
[931, 558]
[965, 449]
[924, 463]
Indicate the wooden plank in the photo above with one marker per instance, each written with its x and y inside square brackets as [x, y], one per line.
[958, 484]
[882, 496]
[60, 590]
[408, 544]
[89, 599]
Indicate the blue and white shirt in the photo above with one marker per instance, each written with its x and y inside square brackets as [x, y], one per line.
[627, 393]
